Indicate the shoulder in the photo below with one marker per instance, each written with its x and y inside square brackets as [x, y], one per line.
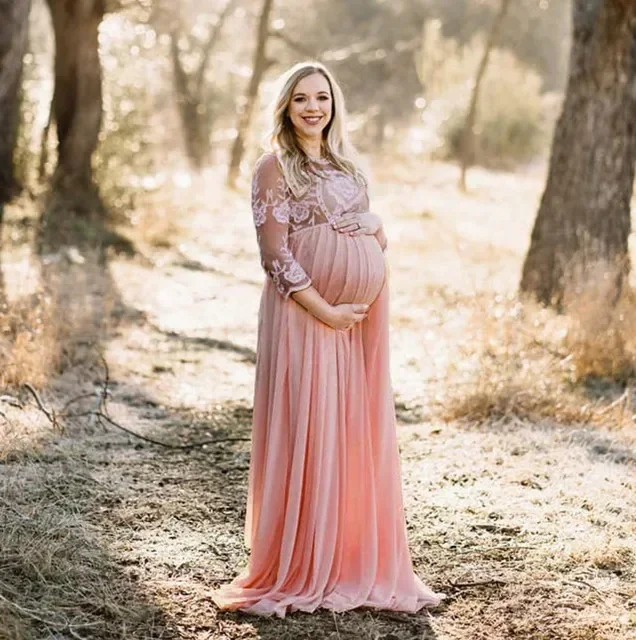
[267, 166]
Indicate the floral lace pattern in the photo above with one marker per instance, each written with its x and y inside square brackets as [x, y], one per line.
[277, 215]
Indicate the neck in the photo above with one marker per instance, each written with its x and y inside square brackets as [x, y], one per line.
[311, 146]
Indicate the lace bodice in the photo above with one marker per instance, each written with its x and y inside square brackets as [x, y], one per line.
[278, 214]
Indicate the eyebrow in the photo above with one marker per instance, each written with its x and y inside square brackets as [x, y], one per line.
[300, 93]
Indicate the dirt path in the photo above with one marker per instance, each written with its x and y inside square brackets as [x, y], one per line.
[529, 528]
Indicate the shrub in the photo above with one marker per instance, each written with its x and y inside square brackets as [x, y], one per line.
[510, 125]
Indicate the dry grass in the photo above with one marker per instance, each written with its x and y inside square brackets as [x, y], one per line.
[516, 435]
[520, 360]
[29, 333]
[57, 579]
[59, 325]
[603, 335]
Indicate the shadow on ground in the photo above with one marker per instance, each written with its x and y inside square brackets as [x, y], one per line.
[58, 579]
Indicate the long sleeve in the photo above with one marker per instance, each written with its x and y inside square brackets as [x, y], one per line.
[271, 210]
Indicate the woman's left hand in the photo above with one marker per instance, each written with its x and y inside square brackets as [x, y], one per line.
[357, 224]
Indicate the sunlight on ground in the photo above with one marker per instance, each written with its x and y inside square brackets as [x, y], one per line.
[518, 483]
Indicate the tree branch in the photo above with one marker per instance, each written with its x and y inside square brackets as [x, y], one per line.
[211, 42]
[292, 44]
[101, 415]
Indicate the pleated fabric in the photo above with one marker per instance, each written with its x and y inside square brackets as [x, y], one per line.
[325, 520]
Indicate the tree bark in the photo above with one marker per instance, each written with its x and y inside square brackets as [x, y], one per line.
[467, 153]
[260, 65]
[583, 220]
[77, 98]
[14, 21]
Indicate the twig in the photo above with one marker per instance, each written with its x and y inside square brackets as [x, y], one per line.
[49, 414]
[101, 415]
[293, 44]
[478, 583]
[14, 402]
[622, 398]
[72, 401]
[335, 621]
[579, 581]
[499, 547]
[182, 447]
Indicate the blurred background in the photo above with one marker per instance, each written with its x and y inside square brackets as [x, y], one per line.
[176, 76]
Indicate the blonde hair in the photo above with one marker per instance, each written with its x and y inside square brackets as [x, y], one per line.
[336, 147]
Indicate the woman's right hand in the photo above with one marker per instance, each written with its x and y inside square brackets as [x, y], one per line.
[343, 316]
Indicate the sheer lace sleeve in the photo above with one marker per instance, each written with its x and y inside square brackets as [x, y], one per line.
[271, 209]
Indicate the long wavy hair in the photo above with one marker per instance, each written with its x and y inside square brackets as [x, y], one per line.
[296, 165]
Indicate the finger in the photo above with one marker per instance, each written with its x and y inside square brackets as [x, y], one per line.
[360, 232]
[349, 228]
[360, 307]
[345, 221]
[351, 224]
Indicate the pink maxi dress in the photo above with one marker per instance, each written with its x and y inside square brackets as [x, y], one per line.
[325, 520]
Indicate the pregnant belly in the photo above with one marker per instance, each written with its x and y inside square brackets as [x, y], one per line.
[342, 268]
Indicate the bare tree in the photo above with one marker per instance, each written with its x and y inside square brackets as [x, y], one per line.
[259, 67]
[77, 98]
[190, 89]
[14, 16]
[584, 215]
[468, 133]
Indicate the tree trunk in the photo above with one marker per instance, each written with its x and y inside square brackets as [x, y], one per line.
[14, 20]
[584, 215]
[191, 111]
[77, 98]
[189, 87]
[467, 150]
[259, 66]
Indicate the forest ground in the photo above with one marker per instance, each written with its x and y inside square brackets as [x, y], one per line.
[524, 516]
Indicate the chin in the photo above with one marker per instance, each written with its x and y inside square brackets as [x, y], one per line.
[314, 132]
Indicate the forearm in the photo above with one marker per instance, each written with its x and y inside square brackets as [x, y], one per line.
[313, 302]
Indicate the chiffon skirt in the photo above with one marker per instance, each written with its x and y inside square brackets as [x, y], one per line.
[325, 520]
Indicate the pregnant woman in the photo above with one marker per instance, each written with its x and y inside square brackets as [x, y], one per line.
[325, 521]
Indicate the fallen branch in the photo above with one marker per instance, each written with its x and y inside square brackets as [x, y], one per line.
[101, 415]
[73, 401]
[10, 400]
[478, 583]
[182, 447]
[49, 414]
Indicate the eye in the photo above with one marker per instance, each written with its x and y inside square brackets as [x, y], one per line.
[299, 99]
[323, 98]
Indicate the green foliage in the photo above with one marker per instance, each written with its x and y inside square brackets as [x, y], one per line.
[536, 31]
[510, 124]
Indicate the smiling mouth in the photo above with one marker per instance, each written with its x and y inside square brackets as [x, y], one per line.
[312, 119]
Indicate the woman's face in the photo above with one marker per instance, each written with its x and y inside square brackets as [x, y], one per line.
[311, 106]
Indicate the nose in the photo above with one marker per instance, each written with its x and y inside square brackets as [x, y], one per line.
[312, 105]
